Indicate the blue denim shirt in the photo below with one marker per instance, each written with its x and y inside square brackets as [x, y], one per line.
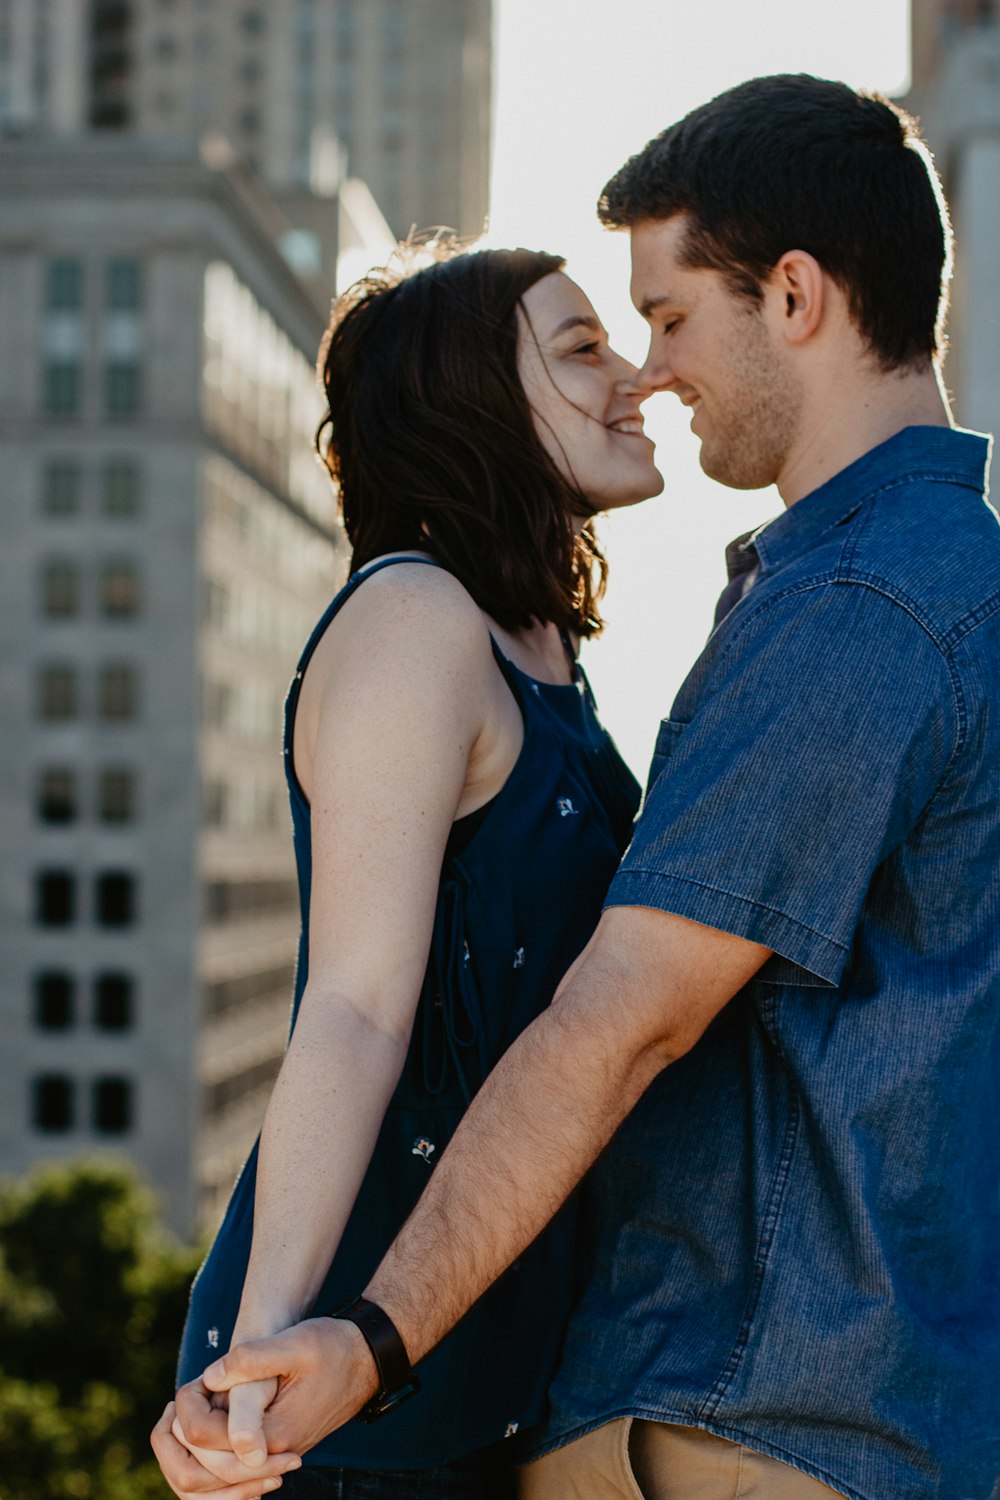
[795, 1238]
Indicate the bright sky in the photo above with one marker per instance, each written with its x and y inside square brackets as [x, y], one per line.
[581, 85]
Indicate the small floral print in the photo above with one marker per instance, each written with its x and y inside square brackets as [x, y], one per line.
[423, 1147]
[519, 959]
[213, 1338]
[566, 808]
[511, 1429]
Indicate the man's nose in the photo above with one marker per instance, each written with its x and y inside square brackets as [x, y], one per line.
[656, 374]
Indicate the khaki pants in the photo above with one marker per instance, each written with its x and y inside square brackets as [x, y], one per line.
[635, 1460]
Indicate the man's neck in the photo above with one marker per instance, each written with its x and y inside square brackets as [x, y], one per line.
[836, 432]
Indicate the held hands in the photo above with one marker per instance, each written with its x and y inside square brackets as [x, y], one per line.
[285, 1393]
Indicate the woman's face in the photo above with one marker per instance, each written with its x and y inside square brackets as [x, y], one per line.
[583, 396]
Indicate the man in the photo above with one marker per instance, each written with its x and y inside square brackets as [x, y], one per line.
[793, 993]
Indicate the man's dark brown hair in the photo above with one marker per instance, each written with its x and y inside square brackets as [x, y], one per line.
[793, 162]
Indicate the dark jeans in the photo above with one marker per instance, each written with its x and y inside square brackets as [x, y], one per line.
[482, 1477]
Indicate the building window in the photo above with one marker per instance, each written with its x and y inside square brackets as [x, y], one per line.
[58, 693]
[112, 1106]
[57, 799]
[223, 996]
[217, 1097]
[230, 900]
[122, 388]
[117, 692]
[61, 489]
[64, 288]
[116, 795]
[216, 804]
[119, 589]
[55, 996]
[55, 898]
[123, 285]
[60, 588]
[52, 1104]
[113, 1002]
[217, 704]
[115, 902]
[61, 388]
[121, 488]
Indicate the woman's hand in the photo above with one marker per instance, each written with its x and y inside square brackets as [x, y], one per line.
[229, 1479]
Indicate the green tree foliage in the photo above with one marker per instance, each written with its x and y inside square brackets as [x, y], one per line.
[92, 1297]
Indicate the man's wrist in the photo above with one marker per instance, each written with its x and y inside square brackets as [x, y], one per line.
[395, 1380]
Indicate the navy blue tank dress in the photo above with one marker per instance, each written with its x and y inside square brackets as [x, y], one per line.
[521, 889]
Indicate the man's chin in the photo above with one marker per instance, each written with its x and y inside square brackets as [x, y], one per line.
[727, 470]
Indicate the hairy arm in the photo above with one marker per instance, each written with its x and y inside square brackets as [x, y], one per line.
[638, 998]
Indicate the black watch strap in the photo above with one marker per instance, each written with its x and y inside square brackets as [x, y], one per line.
[396, 1380]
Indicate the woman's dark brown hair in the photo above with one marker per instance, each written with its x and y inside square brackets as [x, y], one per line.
[430, 438]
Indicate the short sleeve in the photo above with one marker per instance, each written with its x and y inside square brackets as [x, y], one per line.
[818, 736]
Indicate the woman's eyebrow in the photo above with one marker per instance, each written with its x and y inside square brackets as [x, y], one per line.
[574, 321]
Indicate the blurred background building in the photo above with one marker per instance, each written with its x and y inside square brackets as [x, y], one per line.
[183, 184]
[956, 93]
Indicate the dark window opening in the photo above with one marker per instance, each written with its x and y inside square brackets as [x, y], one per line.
[57, 799]
[64, 291]
[113, 1002]
[117, 692]
[122, 388]
[115, 904]
[121, 488]
[112, 1105]
[110, 63]
[55, 898]
[55, 995]
[60, 589]
[223, 996]
[228, 900]
[116, 795]
[61, 388]
[119, 590]
[58, 693]
[123, 285]
[61, 489]
[52, 1102]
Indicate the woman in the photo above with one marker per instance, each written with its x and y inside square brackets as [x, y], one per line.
[458, 814]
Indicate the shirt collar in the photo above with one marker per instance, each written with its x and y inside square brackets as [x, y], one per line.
[943, 453]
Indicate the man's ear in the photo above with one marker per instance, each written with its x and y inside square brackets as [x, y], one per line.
[796, 293]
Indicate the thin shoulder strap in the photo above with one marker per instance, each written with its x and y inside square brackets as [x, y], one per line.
[333, 608]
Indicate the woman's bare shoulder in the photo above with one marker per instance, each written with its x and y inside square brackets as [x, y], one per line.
[407, 618]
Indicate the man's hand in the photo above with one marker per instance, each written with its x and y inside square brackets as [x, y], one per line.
[190, 1480]
[325, 1374]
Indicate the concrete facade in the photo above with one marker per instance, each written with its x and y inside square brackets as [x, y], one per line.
[956, 95]
[169, 542]
[398, 90]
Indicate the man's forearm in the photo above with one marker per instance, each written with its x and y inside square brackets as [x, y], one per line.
[543, 1116]
[641, 996]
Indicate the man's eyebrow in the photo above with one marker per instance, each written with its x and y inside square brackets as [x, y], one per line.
[653, 305]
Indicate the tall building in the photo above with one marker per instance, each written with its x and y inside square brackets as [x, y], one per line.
[169, 540]
[399, 89]
[956, 94]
